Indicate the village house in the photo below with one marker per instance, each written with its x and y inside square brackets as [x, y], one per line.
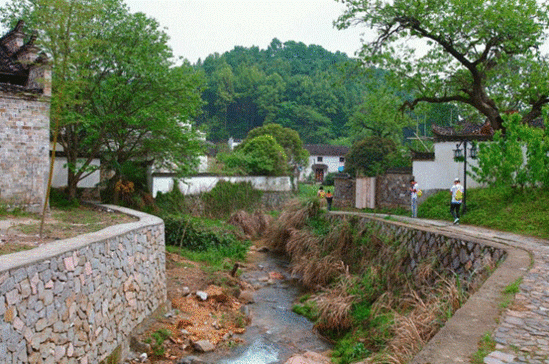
[25, 93]
[436, 171]
[323, 159]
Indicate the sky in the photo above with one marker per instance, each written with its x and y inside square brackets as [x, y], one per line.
[198, 28]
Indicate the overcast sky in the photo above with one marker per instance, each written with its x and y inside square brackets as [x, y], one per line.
[198, 28]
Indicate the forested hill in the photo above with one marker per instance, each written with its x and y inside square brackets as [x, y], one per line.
[306, 88]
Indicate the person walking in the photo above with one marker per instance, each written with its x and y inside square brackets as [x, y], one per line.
[320, 193]
[329, 199]
[414, 188]
[457, 196]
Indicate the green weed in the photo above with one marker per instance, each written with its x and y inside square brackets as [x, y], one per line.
[509, 293]
[157, 339]
[349, 349]
[226, 198]
[485, 347]
[308, 309]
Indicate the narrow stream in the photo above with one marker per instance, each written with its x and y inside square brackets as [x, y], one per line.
[275, 333]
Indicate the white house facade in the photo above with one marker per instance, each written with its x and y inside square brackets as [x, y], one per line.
[439, 172]
[323, 159]
[436, 171]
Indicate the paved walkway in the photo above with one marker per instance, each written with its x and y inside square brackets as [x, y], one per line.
[521, 330]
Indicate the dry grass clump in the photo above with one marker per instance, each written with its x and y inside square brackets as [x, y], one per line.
[335, 306]
[316, 273]
[252, 225]
[417, 319]
[317, 260]
[294, 216]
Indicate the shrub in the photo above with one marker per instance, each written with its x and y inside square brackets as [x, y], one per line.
[329, 179]
[61, 200]
[226, 198]
[195, 234]
[263, 156]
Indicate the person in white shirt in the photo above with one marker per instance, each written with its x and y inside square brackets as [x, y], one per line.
[457, 195]
[414, 187]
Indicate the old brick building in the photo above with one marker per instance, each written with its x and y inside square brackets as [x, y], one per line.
[24, 121]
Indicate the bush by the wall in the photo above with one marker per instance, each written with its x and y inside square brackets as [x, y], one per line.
[195, 234]
[226, 198]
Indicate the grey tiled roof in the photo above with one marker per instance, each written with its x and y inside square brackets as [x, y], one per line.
[326, 149]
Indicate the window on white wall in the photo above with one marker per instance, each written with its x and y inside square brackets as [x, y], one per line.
[319, 159]
[342, 159]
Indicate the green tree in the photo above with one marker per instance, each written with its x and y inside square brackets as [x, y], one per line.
[518, 159]
[125, 106]
[370, 156]
[379, 116]
[484, 54]
[287, 138]
[260, 156]
[313, 126]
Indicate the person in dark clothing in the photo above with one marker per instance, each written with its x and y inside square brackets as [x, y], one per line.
[329, 199]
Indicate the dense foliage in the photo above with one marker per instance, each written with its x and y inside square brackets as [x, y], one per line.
[133, 105]
[518, 159]
[288, 139]
[195, 225]
[484, 55]
[302, 87]
[370, 157]
[226, 198]
[260, 156]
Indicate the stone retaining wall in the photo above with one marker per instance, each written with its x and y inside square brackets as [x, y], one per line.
[463, 257]
[275, 200]
[77, 300]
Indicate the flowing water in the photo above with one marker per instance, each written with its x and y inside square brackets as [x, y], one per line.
[275, 332]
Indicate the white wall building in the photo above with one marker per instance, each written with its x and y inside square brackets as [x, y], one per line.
[199, 184]
[323, 159]
[440, 172]
[61, 174]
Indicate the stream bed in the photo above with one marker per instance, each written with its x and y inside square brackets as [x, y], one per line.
[275, 332]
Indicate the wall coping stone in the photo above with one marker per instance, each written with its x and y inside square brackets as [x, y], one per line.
[60, 247]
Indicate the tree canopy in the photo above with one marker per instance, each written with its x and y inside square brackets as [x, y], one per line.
[117, 92]
[370, 156]
[287, 138]
[482, 54]
[297, 86]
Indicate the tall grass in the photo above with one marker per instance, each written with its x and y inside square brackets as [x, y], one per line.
[363, 298]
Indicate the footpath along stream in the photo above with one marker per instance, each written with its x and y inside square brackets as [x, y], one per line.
[275, 332]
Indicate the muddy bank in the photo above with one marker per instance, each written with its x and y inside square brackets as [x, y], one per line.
[275, 332]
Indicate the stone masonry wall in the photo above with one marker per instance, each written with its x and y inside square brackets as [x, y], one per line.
[77, 300]
[344, 192]
[24, 144]
[462, 257]
[392, 190]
